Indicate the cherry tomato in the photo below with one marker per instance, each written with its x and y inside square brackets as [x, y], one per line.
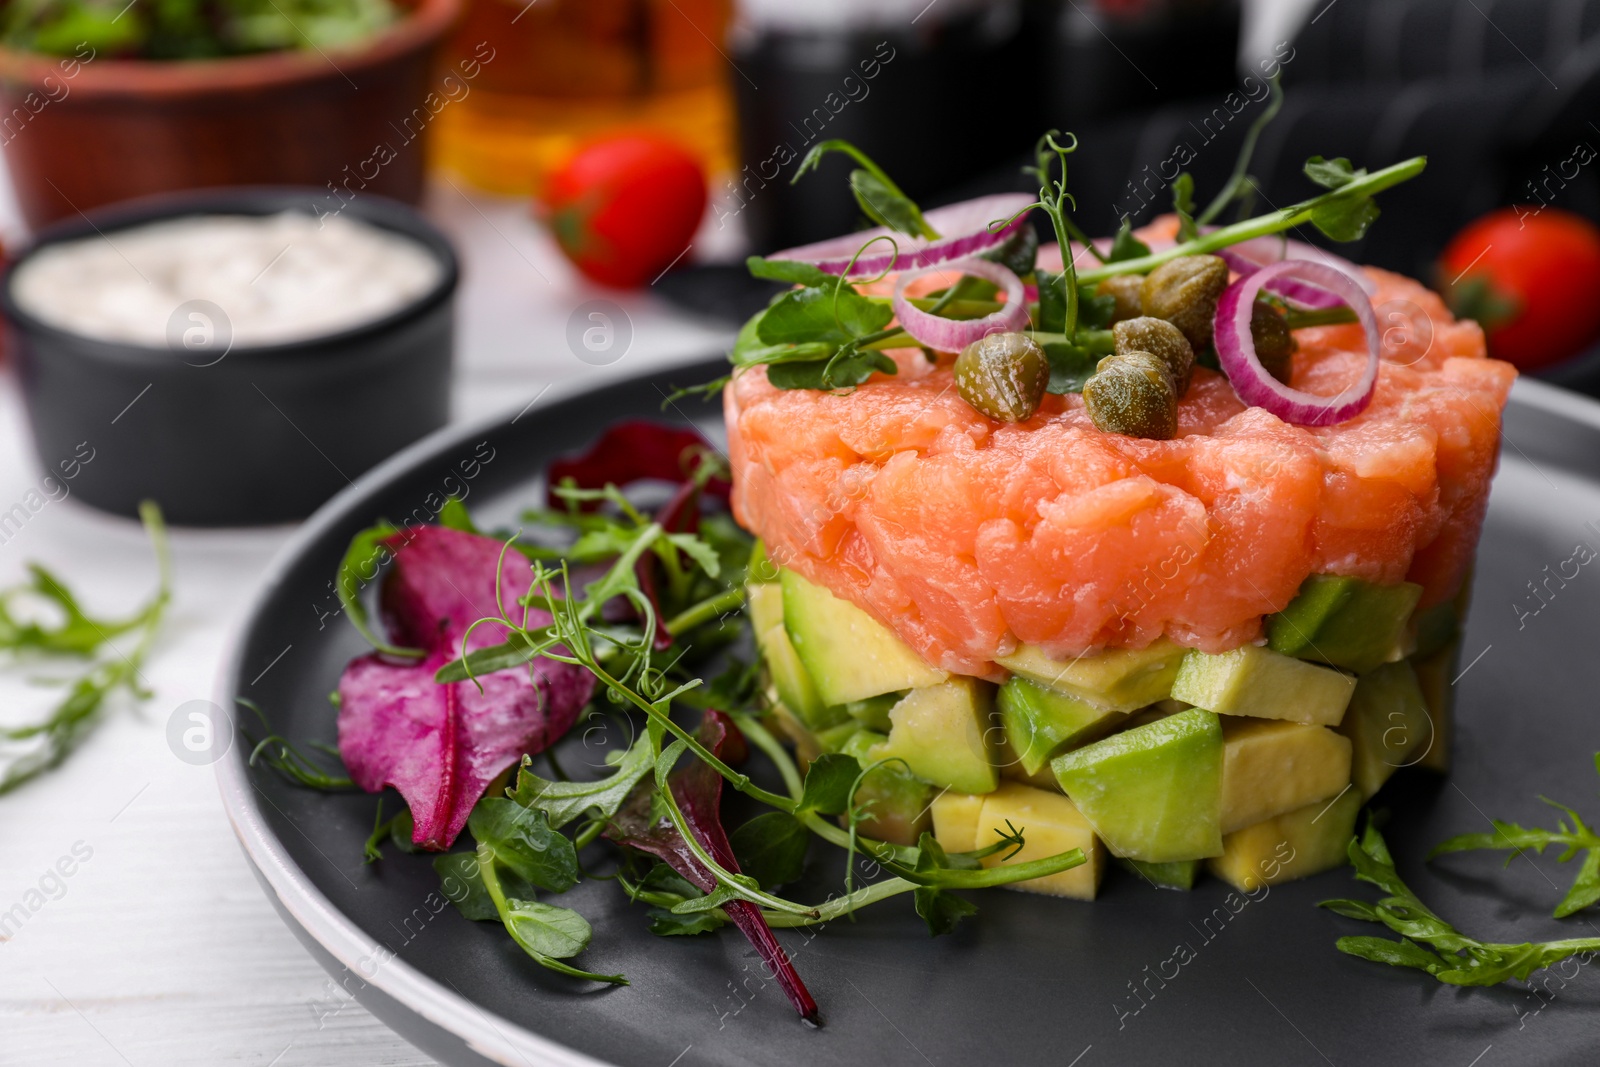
[1530, 276]
[625, 207]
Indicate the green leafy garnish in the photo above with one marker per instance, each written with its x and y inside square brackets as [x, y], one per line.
[1183, 206]
[880, 198]
[1519, 839]
[52, 739]
[1427, 942]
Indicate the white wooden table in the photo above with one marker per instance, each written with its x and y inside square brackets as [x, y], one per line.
[160, 949]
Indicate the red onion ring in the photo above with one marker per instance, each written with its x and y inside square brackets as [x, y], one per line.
[1237, 351]
[966, 225]
[952, 335]
[1247, 257]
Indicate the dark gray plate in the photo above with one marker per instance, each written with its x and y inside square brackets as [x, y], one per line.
[1030, 979]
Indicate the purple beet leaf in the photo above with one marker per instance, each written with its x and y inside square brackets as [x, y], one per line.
[441, 745]
[634, 451]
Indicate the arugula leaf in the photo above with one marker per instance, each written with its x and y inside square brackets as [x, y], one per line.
[523, 840]
[78, 633]
[941, 909]
[771, 848]
[789, 270]
[1183, 206]
[563, 802]
[1125, 245]
[362, 560]
[1579, 837]
[70, 721]
[881, 199]
[1332, 173]
[828, 783]
[1428, 943]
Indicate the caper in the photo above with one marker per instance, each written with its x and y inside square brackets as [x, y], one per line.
[1184, 291]
[1003, 375]
[1158, 337]
[1274, 343]
[1133, 393]
[1124, 289]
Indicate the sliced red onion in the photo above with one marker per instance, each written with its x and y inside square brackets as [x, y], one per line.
[966, 233]
[1247, 257]
[952, 335]
[1237, 351]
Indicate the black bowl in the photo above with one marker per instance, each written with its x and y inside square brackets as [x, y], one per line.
[253, 435]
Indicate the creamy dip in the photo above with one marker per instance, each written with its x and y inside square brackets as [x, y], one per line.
[277, 278]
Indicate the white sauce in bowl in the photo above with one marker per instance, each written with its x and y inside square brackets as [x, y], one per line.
[277, 278]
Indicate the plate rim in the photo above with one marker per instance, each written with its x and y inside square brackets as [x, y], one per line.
[501, 1040]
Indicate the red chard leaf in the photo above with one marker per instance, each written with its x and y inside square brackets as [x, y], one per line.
[441, 745]
[698, 791]
[634, 451]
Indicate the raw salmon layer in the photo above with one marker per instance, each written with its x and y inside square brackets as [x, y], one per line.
[968, 536]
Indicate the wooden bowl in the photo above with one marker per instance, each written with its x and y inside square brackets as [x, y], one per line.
[81, 133]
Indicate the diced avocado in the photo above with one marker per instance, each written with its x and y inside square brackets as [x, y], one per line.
[1050, 824]
[1437, 629]
[1154, 793]
[1435, 675]
[862, 746]
[944, 734]
[895, 805]
[1118, 679]
[955, 820]
[1387, 724]
[1012, 771]
[760, 569]
[789, 676]
[848, 653]
[1346, 622]
[1180, 874]
[1297, 844]
[1263, 684]
[1042, 723]
[1270, 767]
[834, 738]
[806, 746]
[873, 712]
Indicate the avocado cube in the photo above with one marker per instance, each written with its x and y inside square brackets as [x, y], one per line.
[955, 820]
[789, 676]
[873, 712]
[1042, 723]
[1297, 844]
[1387, 724]
[1118, 679]
[944, 734]
[1263, 684]
[1050, 825]
[1437, 630]
[1153, 793]
[835, 738]
[896, 803]
[1436, 675]
[1180, 874]
[849, 654]
[1270, 766]
[1346, 622]
[760, 569]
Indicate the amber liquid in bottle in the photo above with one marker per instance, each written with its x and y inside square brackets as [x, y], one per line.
[563, 71]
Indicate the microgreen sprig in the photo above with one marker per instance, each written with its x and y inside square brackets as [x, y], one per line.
[1519, 839]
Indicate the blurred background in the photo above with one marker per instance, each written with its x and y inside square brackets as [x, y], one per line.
[578, 182]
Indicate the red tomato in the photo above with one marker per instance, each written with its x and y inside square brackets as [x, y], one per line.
[1542, 270]
[625, 207]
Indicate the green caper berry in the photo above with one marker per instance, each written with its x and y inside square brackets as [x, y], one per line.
[1184, 291]
[1003, 375]
[1158, 337]
[1133, 394]
[1124, 289]
[1274, 343]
